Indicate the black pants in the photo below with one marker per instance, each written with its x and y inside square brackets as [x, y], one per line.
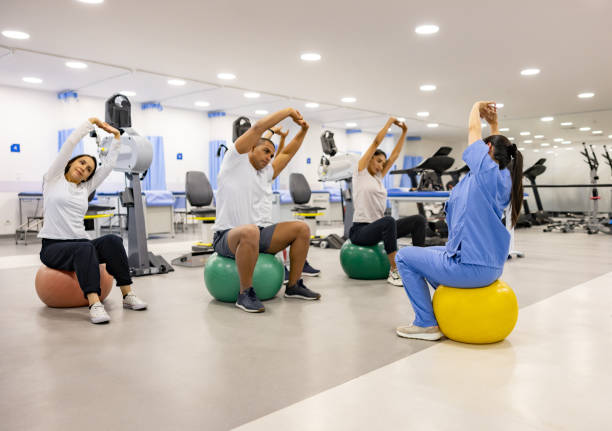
[389, 230]
[84, 257]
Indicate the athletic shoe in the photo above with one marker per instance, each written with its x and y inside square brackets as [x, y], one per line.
[430, 333]
[394, 278]
[132, 302]
[286, 276]
[309, 271]
[97, 313]
[301, 292]
[248, 302]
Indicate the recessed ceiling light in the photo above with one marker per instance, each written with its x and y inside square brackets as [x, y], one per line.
[525, 133]
[312, 105]
[423, 114]
[504, 129]
[585, 129]
[610, 136]
[511, 138]
[483, 125]
[32, 80]
[558, 139]
[202, 103]
[547, 119]
[310, 56]
[226, 76]
[597, 132]
[545, 144]
[261, 112]
[128, 93]
[530, 72]
[401, 119]
[555, 146]
[15, 34]
[76, 65]
[536, 151]
[528, 141]
[587, 95]
[427, 29]
[566, 142]
[538, 136]
[432, 125]
[351, 124]
[567, 123]
[176, 82]
[499, 105]
[348, 99]
[251, 95]
[521, 149]
[569, 149]
[92, 1]
[427, 87]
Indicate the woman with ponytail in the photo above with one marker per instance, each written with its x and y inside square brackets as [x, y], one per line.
[478, 242]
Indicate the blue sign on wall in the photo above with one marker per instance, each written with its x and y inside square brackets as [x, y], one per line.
[179, 156]
[15, 148]
[308, 161]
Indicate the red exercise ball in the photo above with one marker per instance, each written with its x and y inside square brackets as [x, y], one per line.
[60, 289]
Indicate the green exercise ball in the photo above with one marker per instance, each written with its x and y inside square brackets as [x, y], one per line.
[364, 262]
[222, 281]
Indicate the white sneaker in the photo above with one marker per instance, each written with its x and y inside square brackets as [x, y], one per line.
[97, 313]
[431, 333]
[394, 278]
[132, 302]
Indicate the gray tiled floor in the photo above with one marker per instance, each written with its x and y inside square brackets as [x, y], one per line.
[190, 362]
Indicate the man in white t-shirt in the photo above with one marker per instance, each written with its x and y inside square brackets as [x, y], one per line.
[246, 170]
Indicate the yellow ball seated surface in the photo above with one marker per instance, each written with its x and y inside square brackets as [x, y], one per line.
[479, 315]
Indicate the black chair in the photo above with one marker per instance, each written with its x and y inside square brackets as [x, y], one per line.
[199, 194]
[300, 194]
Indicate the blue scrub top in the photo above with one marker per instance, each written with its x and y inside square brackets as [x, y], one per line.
[476, 234]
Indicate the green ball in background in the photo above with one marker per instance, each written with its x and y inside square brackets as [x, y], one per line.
[364, 262]
[222, 281]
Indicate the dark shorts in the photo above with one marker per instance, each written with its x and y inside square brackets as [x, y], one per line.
[222, 248]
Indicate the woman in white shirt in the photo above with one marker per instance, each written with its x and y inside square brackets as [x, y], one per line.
[65, 245]
[370, 226]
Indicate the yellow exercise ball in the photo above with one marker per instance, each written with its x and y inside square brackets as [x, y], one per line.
[476, 315]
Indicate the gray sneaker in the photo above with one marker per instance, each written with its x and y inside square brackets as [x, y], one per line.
[431, 333]
[249, 302]
[301, 292]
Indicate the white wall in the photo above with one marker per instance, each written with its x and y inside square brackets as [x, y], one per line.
[32, 119]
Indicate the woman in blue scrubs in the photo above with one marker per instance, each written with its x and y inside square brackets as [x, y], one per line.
[478, 242]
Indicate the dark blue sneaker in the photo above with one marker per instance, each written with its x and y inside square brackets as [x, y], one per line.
[248, 302]
[286, 276]
[301, 292]
[309, 271]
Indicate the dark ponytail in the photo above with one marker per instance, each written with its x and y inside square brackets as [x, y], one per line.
[507, 155]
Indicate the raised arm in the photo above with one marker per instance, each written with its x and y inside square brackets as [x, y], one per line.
[479, 110]
[65, 153]
[365, 158]
[284, 155]
[397, 149]
[277, 130]
[108, 163]
[249, 139]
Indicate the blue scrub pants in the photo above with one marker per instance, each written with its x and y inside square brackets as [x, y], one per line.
[417, 266]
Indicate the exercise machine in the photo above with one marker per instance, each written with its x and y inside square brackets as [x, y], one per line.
[339, 167]
[134, 159]
[527, 219]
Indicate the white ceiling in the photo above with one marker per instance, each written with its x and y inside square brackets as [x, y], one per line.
[370, 51]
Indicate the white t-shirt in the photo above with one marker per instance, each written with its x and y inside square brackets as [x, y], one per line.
[263, 207]
[65, 202]
[239, 188]
[369, 197]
